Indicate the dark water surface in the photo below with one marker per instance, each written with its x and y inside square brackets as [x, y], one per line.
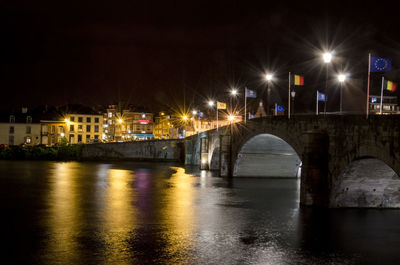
[157, 213]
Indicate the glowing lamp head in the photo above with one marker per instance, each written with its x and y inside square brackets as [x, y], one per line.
[194, 112]
[231, 118]
[184, 117]
[341, 78]
[269, 77]
[62, 134]
[66, 120]
[210, 103]
[234, 92]
[203, 161]
[327, 57]
[120, 121]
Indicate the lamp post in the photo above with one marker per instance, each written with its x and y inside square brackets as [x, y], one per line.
[342, 79]
[268, 77]
[327, 58]
[233, 94]
[293, 94]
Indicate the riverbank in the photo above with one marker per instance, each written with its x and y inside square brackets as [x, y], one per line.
[55, 153]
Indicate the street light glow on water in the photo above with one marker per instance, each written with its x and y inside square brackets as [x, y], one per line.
[160, 213]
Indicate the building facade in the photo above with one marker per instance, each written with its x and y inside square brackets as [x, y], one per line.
[162, 125]
[83, 128]
[128, 125]
[19, 129]
[52, 132]
[389, 105]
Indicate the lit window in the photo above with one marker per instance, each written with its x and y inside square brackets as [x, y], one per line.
[28, 140]
[28, 119]
[12, 119]
[143, 115]
[110, 115]
[88, 119]
[96, 128]
[80, 119]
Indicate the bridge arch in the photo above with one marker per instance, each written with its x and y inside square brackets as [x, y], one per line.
[267, 155]
[366, 182]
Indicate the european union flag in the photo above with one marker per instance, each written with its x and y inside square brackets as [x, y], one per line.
[250, 93]
[321, 96]
[379, 64]
[279, 108]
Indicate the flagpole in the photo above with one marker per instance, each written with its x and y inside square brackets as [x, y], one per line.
[275, 112]
[383, 80]
[289, 99]
[369, 77]
[217, 116]
[245, 101]
[316, 109]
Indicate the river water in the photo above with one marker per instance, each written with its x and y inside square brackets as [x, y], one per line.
[160, 213]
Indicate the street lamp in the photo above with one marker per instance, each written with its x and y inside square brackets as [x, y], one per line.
[194, 112]
[342, 79]
[234, 92]
[327, 57]
[210, 103]
[268, 77]
[231, 118]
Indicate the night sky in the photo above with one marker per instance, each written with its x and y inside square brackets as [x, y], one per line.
[153, 53]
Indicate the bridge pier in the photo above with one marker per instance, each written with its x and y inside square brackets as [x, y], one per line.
[314, 190]
[225, 156]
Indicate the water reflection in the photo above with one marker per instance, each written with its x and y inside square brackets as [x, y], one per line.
[119, 216]
[178, 215]
[146, 213]
[63, 220]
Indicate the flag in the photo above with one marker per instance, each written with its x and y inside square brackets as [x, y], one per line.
[298, 80]
[250, 93]
[321, 96]
[391, 86]
[279, 108]
[251, 116]
[379, 64]
[221, 105]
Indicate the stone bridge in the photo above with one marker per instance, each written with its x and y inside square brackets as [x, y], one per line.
[343, 161]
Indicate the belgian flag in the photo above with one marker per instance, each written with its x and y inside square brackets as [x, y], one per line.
[391, 86]
[298, 80]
